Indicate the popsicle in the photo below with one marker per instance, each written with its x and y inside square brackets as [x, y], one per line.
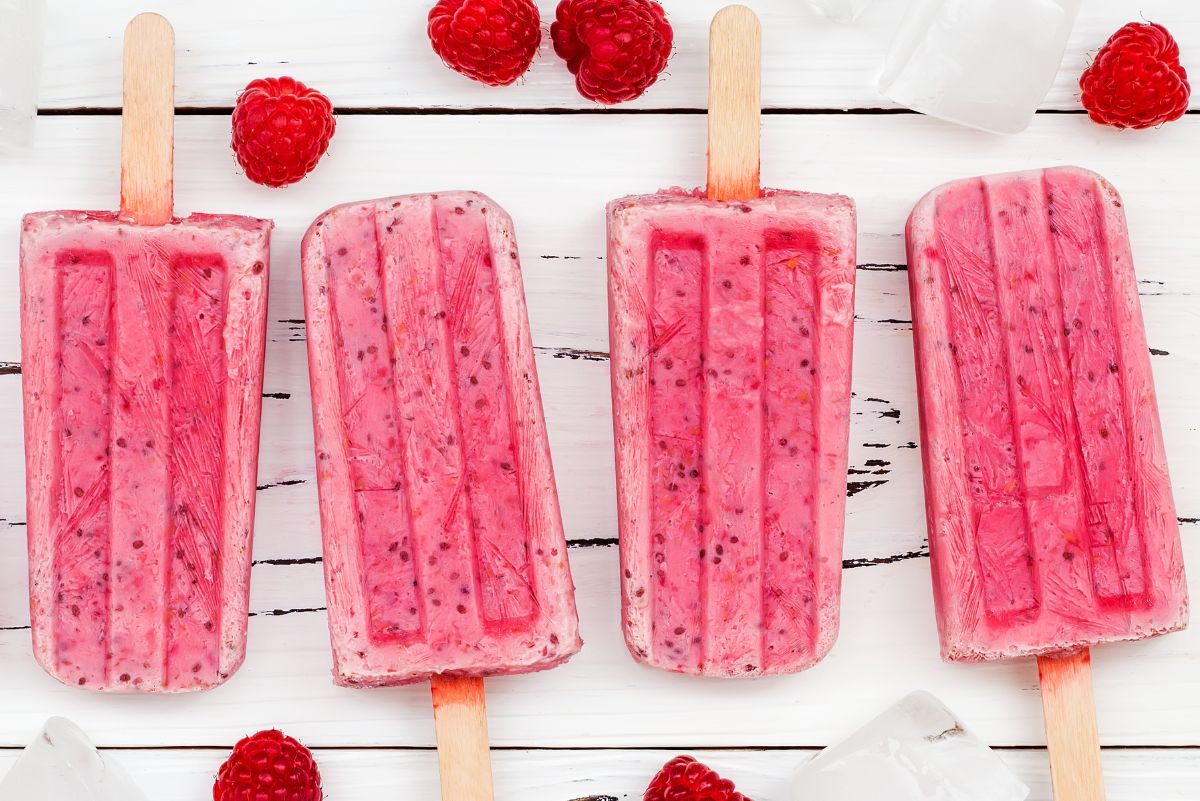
[445, 557]
[1051, 521]
[142, 339]
[731, 316]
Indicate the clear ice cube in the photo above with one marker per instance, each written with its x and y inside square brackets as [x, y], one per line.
[982, 63]
[916, 751]
[840, 10]
[63, 765]
[21, 23]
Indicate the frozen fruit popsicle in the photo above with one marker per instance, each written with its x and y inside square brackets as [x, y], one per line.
[1051, 522]
[142, 340]
[731, 321]
[444, 548]
[444, 544]
[731, 331]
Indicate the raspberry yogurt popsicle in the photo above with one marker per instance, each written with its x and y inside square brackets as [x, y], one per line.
[1051, 522]
[731, 320]
[142, 339]
[445, 557]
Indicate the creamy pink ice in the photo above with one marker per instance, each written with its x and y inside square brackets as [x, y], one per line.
[444, 548]
[142, 362]
[1051, 522]
[730, 328]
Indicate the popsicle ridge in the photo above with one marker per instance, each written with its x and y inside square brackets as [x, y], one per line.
[1112, 487]
[495, 464]
[196, 463]
[82, 290]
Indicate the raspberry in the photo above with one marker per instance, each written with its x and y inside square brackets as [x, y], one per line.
[685, 779]
[281, 128]
[614, 48]
[1136, 80]
[491, 41]
[268, 766]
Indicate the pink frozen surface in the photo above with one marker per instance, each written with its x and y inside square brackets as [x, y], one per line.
[142, 362]
[731, 328]
[1051, 522]
[444, 547]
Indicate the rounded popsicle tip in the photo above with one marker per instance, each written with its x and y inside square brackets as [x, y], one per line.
[922, 214]
[150, 23]
[737, 17]
[1084, 177]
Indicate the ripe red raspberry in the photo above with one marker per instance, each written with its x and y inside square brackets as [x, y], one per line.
[685, 779]
[491, 41]
[614, 48]
[281, 128]
[1136, 80]
[268, 766]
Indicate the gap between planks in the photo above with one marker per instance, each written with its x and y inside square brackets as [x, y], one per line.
[501, 111]
[6, 750]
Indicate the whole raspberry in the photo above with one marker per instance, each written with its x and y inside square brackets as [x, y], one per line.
[491, 41]
[685, 779]
[614, 48]
[1136, 80]
[281, 128]
[268, 766]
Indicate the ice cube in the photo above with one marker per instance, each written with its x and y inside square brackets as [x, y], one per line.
[63, 765]
[21, 24]
[983, 63]
[840, 10]
[916, 751]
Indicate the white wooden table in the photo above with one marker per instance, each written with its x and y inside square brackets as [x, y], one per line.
[407, 124]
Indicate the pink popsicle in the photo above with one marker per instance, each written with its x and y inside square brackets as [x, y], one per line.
[444, 548]
[731, 327]
[1051, 520]
[142, 356]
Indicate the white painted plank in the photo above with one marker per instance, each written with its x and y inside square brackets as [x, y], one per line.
[555, 174]
[375, 53]
[1147, 693]
[186, 775]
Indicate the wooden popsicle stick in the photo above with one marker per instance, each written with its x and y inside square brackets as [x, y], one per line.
[1071, 733]
[734, 104]
[460, 719]
[148, 121]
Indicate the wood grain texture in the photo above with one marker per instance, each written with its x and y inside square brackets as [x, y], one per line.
[1071, 733]
[148, 121]
[555, 176]
[734, 104]
[460, 719]
[372, 53]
